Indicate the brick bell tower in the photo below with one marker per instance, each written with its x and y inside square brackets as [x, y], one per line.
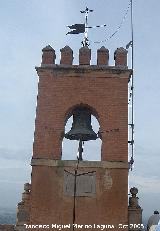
[98, 194]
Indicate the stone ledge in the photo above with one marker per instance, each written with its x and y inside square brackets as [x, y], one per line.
[84, 67]
[73, 163]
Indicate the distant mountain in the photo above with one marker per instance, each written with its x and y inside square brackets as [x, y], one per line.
[7, 216]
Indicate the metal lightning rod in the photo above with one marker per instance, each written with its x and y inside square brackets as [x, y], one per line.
[85, 42]
[79, 28]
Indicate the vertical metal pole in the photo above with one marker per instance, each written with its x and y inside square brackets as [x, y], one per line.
[86, 29]
[74, 201]
[80, 150]
[132, 86]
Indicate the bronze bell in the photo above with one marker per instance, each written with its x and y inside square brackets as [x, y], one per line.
[81, 126]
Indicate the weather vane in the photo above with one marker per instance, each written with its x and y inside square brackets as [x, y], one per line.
[83, 28]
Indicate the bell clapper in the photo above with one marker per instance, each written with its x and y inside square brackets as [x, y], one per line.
[80, 150]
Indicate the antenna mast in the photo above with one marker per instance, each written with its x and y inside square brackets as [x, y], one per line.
[131, 43]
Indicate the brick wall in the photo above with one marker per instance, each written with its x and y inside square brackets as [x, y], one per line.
[104, 90]
[108, 204]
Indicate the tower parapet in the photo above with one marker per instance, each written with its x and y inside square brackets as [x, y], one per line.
[23, 209]
[120, 57]
[134, 212]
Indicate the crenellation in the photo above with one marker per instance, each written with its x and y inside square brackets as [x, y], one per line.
[120, 57]
[102, 56]
[49, 57]
[84, 56]
[66, 56]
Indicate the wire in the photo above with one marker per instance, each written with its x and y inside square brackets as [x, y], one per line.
[120, 25]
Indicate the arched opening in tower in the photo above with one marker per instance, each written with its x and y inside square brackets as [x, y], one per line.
[91, 148]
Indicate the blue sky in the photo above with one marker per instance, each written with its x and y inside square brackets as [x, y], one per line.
[25, 28]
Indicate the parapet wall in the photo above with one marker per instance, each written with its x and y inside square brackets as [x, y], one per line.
[7, 228]
[120, 56]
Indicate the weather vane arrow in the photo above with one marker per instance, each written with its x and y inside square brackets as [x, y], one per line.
[83, 28]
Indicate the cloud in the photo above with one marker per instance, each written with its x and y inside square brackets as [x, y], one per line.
[11, 182]
[147, 160]
[148, 193]
[146, 184]
[14, 154]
